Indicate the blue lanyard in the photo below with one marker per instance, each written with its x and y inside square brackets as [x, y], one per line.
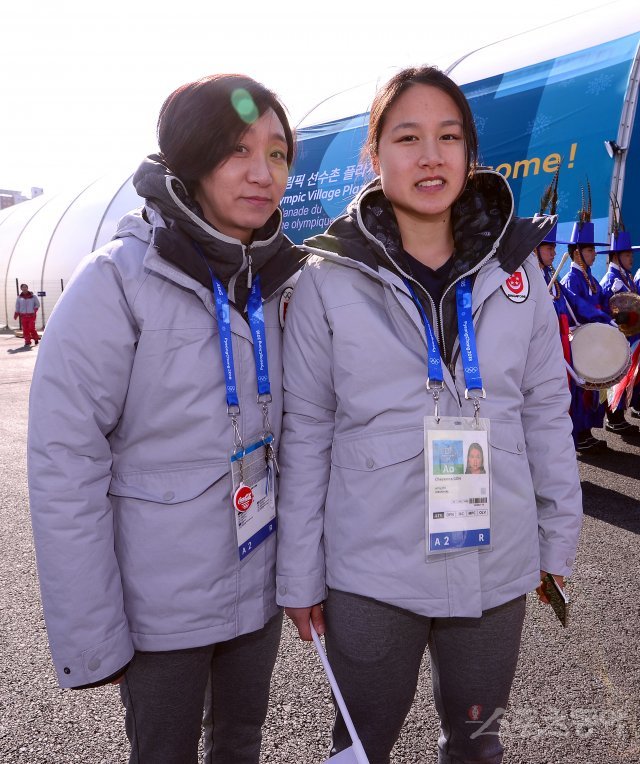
[256, 324]
[226, 347]
[467, 335]
[434, 359]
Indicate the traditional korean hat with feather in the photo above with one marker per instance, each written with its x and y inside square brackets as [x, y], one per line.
[620, 237]
[583, 231]
[549, 204]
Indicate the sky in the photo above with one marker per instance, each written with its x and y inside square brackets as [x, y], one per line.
[82, 82]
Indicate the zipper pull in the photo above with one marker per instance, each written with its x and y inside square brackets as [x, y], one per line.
[249, 274]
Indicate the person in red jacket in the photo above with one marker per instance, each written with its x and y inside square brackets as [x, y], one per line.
[27, 306]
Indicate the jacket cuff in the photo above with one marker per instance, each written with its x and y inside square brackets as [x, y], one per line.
[305, 591]
[96, 664]
[557, 561]
[107, 680]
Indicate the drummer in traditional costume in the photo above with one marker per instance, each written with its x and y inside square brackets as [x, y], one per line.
[586, 298]
[618, 280]
[571, 311]
[546, 252]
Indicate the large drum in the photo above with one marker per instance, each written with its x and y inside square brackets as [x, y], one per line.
[627, 303]
[601, 355]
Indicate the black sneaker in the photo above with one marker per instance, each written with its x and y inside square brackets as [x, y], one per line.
[621, 428]
[632, 435]
[634, 412]
[591, 445]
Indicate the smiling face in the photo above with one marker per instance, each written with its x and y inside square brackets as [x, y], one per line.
[421, 155]
[240, 194]
[546, 253]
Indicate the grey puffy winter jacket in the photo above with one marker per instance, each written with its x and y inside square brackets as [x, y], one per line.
[352, 495]
[129, 446]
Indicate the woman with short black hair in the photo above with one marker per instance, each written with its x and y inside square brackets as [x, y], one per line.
[153, 432]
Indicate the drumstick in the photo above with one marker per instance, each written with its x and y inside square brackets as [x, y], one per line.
[558, 269]
[579, 381]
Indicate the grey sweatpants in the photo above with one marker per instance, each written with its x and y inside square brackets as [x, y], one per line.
[164, 697]
[375, 651]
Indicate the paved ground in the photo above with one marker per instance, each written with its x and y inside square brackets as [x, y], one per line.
[576, 696]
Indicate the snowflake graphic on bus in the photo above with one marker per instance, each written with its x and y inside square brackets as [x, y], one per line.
[447, 457]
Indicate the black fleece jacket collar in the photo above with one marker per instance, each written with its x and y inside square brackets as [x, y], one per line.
[482, 219]
[193, 245]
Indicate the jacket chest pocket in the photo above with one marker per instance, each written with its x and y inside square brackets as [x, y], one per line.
[376, 488]
[507, 436]
[368, 453]
[511, 478]
[168, 486]
[374, 469]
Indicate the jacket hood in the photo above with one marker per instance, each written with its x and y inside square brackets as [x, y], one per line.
[194, 246]
[484, 229]
[483, 225]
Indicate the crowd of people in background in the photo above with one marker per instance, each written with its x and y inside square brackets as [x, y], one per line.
[580, 300]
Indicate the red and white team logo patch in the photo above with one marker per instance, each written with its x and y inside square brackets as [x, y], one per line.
[243, 498]
[516, 287]
[285, 297]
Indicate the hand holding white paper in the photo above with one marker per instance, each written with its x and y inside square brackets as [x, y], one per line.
[354, 754]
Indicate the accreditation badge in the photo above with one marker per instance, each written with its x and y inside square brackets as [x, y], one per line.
[253, 494]
[458, 484]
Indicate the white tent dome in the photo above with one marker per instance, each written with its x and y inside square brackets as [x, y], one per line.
[44, 239]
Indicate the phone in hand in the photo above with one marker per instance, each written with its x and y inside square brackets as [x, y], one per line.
[557, 598]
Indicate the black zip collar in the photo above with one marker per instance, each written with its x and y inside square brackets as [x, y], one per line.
[484, 227]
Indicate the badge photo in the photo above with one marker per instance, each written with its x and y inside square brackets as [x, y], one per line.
[516, 287]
